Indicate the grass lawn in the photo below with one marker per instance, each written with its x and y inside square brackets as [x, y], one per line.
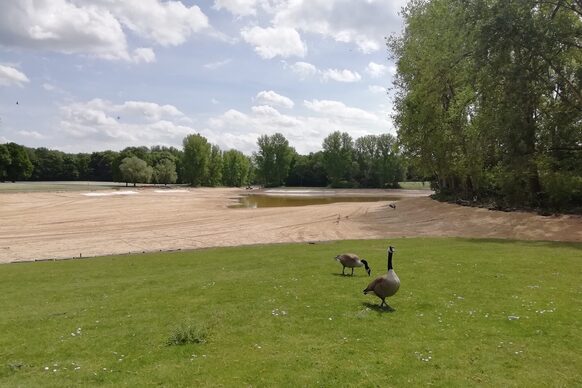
[469, 312]
[415, 185]
[28, 187]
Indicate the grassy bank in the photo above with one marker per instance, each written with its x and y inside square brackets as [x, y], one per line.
[499, 313]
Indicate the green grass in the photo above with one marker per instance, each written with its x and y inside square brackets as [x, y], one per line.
[414, 185]
[280, 315]
[28, 187]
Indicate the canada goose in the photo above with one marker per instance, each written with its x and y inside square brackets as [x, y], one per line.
[385, 285]
[351, 261]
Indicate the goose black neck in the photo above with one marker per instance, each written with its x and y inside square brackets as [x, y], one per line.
[390, 261]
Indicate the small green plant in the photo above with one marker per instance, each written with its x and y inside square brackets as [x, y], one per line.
[188, 333]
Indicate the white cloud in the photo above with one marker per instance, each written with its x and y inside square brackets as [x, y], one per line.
[304, 69]
[236, 129]
[31, 134]
[96, 27]
[69, 29]
[275, 41]
[237, 7]
[117, 126]
[338, 109]
[363, 23]
[216, 65]
[271, 98]
[11, 76]
[376, 70]
[341, 75]
[48, 87]
[144, 54]
[168, 23]
[377, 89]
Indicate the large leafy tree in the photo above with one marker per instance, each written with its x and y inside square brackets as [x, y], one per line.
[100, 165]
[307, 170]
[338, 154]
[134, 170]
[273, 159]
[5, 161]
[197, 152]
[488, 98]
[165, 172]
[214, 177]
[235, 168]
[20, 167]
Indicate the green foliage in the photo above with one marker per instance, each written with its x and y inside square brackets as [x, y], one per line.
[197, 152]
[165, 172]
[487, 89]
[188, 333]
[307, 170]
[100, 165]
[235, 169]
[496, 313]
[5, 161]
[214, 177]
[273, 159]
[134, 170]
[338, 153]
[20, 167]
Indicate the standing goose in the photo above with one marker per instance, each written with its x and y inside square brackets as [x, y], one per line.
[351, 261]
[385, 285]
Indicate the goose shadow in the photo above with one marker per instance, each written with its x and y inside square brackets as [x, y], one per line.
[376, 307]
[346, 275]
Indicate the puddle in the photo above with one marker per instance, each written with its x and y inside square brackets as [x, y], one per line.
[254, 201]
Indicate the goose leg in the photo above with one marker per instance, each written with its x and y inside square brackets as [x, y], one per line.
[352, 271]
[343, 270]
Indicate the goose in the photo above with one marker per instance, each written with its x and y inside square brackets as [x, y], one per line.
[385, 285]
[351, 261]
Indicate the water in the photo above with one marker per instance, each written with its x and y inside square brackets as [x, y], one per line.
[257, 201]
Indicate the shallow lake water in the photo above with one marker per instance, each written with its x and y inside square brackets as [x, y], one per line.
[258, 201]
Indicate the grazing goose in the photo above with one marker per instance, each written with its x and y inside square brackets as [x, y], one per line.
[385, 285]
[351, 261]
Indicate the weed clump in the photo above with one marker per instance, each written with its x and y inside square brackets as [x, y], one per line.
[188, 333]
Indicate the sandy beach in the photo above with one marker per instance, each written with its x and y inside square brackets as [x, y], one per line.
[58, 225]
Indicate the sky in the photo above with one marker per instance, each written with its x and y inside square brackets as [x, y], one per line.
[95, 75]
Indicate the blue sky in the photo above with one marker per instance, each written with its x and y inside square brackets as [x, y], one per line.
[91, 75]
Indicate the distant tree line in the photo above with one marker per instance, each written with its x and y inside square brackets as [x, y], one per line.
[489, 99]
[370, 161]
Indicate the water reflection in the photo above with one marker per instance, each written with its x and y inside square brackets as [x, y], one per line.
[256, 201]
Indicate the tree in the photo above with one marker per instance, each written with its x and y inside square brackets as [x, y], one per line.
[165, 172]
[214, 177]
[20, 167]
[488, 98]
[235, 169]
[100, 166]
[142, 153]
[273, 159]
[134, 170]
[307, 170]
[338, 150]
[5, 161]
[196, 160]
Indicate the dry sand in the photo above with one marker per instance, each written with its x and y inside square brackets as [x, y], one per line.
[68, 224]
